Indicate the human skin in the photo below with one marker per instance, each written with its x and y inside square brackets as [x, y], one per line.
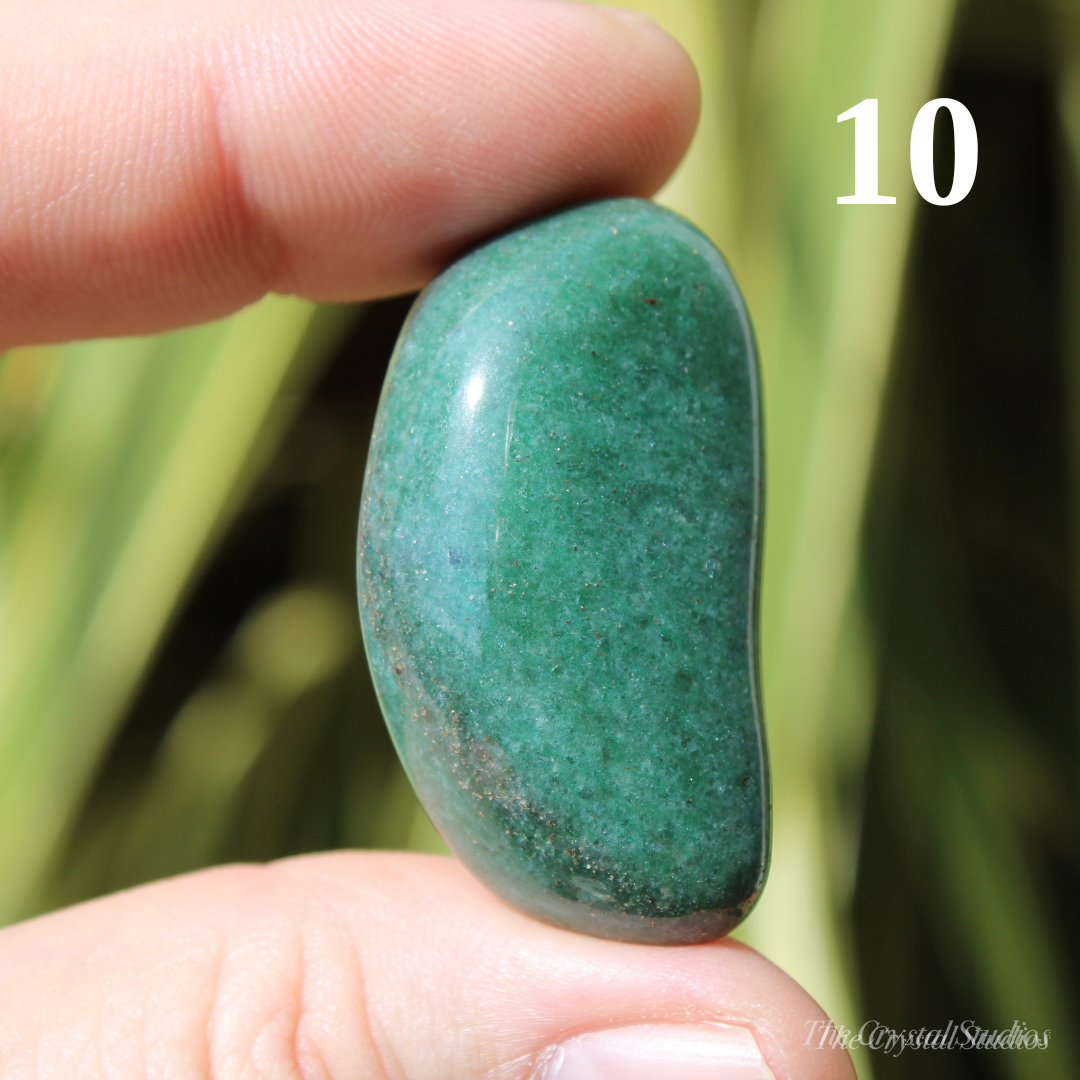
[348, 965]
[168, 161]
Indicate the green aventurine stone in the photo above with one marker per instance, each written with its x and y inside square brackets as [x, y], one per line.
[558, 565]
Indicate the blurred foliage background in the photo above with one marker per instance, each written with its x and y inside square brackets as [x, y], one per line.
[181, 677]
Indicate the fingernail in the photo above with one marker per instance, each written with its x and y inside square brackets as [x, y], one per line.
[633, 18]
[670, 1051]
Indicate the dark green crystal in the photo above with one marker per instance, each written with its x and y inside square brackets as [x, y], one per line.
[558, 564]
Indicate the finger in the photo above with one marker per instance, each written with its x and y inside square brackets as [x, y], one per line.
[168, 163]
[380, 966]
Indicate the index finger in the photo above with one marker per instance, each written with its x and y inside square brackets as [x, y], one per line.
[169, 163]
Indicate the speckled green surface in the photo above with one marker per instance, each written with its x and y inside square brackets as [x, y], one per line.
[557, 570]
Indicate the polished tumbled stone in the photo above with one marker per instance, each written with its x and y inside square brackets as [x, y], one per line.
[557, 571]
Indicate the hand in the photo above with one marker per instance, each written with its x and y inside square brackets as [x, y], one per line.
[377, 966]
[166, 163]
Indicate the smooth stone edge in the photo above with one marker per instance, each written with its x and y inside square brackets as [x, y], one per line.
[697, 927]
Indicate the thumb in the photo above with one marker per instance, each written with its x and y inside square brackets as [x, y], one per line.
[380, 966]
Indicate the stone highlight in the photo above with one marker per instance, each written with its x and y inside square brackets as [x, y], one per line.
[558, 566]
